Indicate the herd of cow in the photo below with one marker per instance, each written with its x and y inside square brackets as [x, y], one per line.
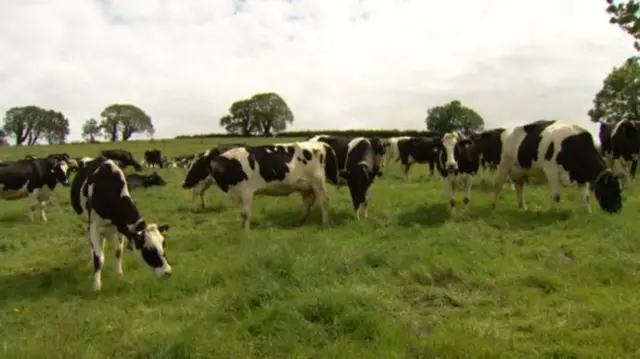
[100, 191]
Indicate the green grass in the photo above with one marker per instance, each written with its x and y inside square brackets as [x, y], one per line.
[407, 282]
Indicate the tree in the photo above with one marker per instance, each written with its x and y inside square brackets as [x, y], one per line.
[263, 113]
[32, 123]
[453, 116]
[618, 97]
[626, 14]
[271, 113]
[91, 130]
[123, 120]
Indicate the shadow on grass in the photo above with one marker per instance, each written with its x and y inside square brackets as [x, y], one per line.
[209, 208]
[290, 218]
[15, 217]
[428, 214]
[63, 282]
[524, 219]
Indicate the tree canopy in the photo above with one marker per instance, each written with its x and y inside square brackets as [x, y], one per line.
[29, 124]
[626, 14]
[121, 121]
[618, 97]
[453, 116]
[265, 114]
[91, 130]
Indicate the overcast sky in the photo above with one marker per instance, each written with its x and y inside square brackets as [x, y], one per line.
[338, 64]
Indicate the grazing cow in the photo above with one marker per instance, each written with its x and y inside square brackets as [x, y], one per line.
[122, 158]
[566, 154]
[135, 180]
[359, 165]
[620, 144]
[458, 162]
[36, 179]
[100, 196]
[199, 176]
[153, 158]
[412, 150]
[276, 170]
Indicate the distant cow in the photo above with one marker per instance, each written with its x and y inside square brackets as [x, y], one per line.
[36, 179]
[412, 150]
[135, 180]
[458, 162]
[276, 170]
[620, 144]
[359, 165]
[153, 158]
[566, 153]
[100, 196]
[122, 158]
[199, 177]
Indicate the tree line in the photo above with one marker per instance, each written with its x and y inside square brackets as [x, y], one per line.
[267, 114]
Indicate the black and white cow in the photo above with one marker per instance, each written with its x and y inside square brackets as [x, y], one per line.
[199, 177]
[153, 158]
[276, 170]
[36, 179]
[122, 158]
[359, 165]
[458, 162]
[566, 153]
[620, 144]
[100, 196]
[412, 150]
[135, 180]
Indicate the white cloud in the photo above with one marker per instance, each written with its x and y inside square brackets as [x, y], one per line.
[339, 64]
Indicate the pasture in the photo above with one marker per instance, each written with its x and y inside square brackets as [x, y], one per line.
[407, 282]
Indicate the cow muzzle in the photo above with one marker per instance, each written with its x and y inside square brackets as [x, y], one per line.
[451, 166]
[164, 272]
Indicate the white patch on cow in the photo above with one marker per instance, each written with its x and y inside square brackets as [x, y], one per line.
[307, 178]
[556, 175]
[449, 141]
[393, 152]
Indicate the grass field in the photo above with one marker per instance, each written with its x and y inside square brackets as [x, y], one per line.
[407, 282]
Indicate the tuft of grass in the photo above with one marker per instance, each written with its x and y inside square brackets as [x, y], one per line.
[410, 281]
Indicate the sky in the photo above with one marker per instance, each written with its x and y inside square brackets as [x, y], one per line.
[338, 64]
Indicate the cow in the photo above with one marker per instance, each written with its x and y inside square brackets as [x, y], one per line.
[359, 165]
[457, 162]
[135, 180]
[276, 170]
[566, 153]
[35, 178]
[153, 158]
[412, 150]
[122, 158]
[99, 195]
[82, 161]
[620, 144]
[199, 177]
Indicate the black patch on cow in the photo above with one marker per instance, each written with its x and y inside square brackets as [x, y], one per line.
[78, 183]
[466, 155]
[135, 180]
[123, 158]
[331, 168]
[419, 149]
[549, 154]
[528, 149]
[489, 146]
[39, 173]
[153, 157]
[306, 154]
[201, 169]
[227, 172]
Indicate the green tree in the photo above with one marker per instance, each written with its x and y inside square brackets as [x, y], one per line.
[618, 97]
[121, 121]
[29, 124]
[91, 130]
[453, 116]
[271, 114]
[626, 14]
[263, 113]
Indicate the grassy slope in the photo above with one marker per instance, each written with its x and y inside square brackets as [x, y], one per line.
[406, 282]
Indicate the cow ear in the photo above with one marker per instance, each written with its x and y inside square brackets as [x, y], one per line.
[163, 228]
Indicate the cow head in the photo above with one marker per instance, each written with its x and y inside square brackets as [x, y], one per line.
[200, 170]
[149, 243]
[449, 141]
[154, 179]
[59, 169]
[608, 190]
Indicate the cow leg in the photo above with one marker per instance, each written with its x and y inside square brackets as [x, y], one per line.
[246, 201]
[34, 204]
[118, 243]
[405, 168]
[450, 184]
[432, 166]
[585, 196]
[97, 246]
[43, 215]
[553, 177]
[322, 198]
[633, 169]
[502, 172]
[467, 182]
[619, 169]
[308, 198]
[519, 188]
